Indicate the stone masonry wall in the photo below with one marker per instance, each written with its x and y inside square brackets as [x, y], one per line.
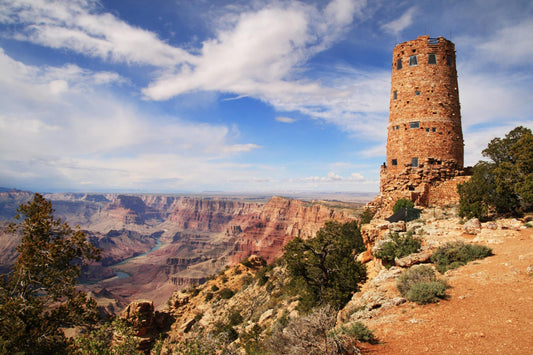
[424, 119]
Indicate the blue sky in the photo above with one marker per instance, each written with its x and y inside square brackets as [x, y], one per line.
[236, 96]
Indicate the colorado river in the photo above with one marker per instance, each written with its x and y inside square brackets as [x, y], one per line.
[124, 275]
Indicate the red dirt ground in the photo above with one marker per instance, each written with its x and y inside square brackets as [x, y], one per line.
[489, 311]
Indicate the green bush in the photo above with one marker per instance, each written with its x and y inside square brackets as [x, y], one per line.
[402, 203]
[235, 318]
[226, 293]
[366, 216]
[208, 296]
[426, 292]
[399, 246]
[453, 255]
[419, 284]
[214, 288]
[357, 331]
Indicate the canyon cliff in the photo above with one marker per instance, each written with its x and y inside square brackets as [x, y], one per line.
[153, 244]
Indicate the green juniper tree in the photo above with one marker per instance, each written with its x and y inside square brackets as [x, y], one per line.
[38, 298]
[504, 185]
[323, 269]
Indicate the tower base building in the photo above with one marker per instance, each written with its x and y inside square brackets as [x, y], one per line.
[425, 140]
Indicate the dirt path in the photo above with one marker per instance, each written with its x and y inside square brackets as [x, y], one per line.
[489, 311]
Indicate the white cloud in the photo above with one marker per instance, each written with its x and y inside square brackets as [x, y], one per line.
[78, 26]
[507, 47]
[61, 133]
[285, 119]
[401, 23]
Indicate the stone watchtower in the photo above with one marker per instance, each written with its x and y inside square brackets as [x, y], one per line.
[425, 139]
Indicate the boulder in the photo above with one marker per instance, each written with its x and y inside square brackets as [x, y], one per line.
[412, 259]
[141, 314]
[472, 226]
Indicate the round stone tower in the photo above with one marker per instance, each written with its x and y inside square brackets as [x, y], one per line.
[425, 120]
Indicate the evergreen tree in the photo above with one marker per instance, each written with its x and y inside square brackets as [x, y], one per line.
[503, 185]
[322, 269]
[38, 298]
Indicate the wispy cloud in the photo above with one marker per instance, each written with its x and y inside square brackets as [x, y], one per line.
[283, 119]
[64, 123]
[398, 25]
[77, 25]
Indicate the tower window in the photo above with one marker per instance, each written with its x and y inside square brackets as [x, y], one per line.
[399, 64]
[433, 129]
[394, 162]
[432, 58]
[427, 129]
[415, 124]
[414, 162]
[417, 93]
[394, 95]
[413, 60]
[449, 60]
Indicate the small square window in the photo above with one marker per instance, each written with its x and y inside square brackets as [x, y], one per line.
[449, 60]
[394, 162]
[413, 60]
[394, 95]
[399, 64]
[415, 124]
[433, 129]
[427, 129]
[417, 93]
[432, 58]
[414, 162]
[398, 127]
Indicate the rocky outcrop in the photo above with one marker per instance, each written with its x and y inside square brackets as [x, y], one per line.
[280, 221]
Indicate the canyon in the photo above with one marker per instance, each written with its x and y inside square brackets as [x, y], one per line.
[153, 245]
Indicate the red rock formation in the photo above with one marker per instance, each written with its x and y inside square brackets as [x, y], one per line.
[280, 221]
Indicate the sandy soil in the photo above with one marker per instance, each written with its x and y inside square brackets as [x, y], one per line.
[489, 309]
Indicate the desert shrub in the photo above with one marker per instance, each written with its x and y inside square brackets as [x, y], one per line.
[322, 269]
[246, 263]
[402, 203]
[235, 318]
[305, 334]
[366, 216]
[426, 292]
[357, 331]
[225, 332]
[208, 296]
[419, 284]
[262, 276]
[399, 246]
[226, 293]
[453, 255]
[214, 288]
[100, 340]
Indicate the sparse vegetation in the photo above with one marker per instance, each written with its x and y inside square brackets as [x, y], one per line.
[398, 246]
[366, 216]
[101, 340]
[453, 255]
[358, 331]
[226, 293]
[420, 284]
